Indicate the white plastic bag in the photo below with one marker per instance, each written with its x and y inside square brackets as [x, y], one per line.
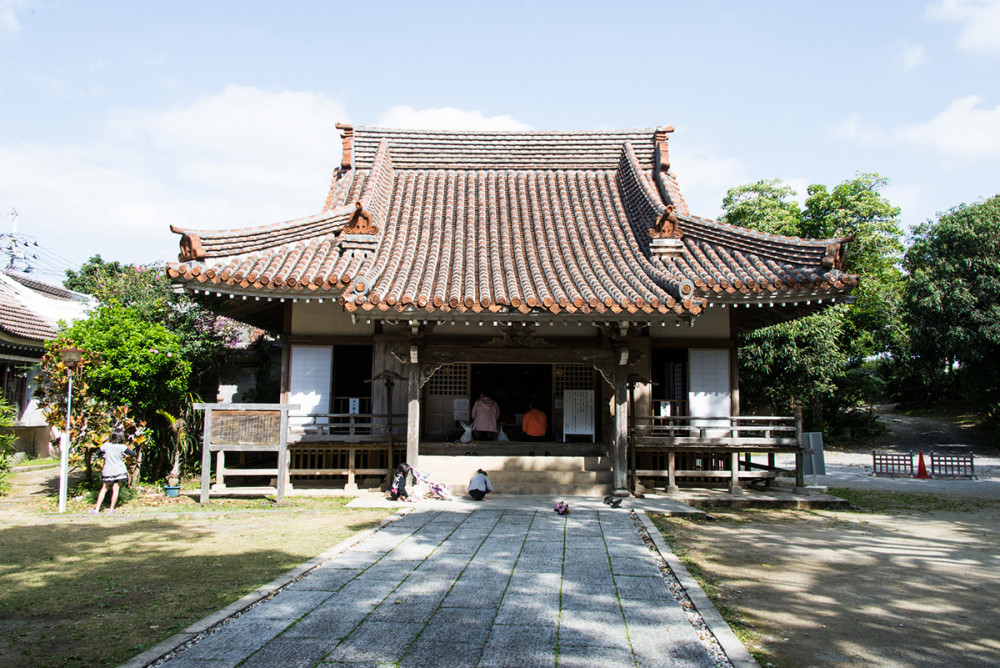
[467, 436]
[501, 436]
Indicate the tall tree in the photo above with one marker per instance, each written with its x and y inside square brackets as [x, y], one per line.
[952, 299]
[824, 354]
[92, 274]
[765, 206]
[857, 209]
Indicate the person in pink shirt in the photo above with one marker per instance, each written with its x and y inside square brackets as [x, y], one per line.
[485, 413]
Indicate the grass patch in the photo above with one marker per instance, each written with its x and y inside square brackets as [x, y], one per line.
[880, 501]
[146, 498]
[97, 591]
[671, 528]
[41, 461]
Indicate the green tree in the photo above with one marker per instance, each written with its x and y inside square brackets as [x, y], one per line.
[797, 360]
[206, 339]
[826, 354]
[93, 418]
[92, 274]
[764, 206]
[857, 209]
[952, 301]
[138, 362]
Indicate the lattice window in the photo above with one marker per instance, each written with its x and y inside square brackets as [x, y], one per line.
[572, 377]
[450, 379]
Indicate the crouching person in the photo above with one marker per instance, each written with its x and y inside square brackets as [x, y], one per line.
[480, 485]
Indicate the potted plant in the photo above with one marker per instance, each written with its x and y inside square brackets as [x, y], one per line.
[178, 428]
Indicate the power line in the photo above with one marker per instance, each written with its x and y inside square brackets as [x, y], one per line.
[22, 253]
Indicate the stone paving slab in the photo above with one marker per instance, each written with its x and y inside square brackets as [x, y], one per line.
[477, 586]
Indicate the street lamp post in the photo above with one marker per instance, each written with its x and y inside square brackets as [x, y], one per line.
[71, 358]
[389, 378]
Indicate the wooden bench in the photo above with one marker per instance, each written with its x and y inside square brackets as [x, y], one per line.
[892, 464]
[952, 466]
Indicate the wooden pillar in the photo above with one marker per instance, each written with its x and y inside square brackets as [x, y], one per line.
[619, 445]
[672, 487]
[800, 479]
[284, 477]
[412, 417]
[220, 469]
[734, 480]
[352, 455]
[206, 457]
[734, 368]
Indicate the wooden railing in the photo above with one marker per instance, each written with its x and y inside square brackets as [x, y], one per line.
[348, 445]
[751, 432]
[707, 449]
[325, 460]
[346, 428]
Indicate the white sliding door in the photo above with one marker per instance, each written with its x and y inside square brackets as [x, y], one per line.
[708, 395]
[309, 381]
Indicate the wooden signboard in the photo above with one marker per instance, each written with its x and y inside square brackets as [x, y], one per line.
[245, 428]
[578, 413]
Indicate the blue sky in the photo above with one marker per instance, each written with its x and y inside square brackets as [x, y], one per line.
[119, 119]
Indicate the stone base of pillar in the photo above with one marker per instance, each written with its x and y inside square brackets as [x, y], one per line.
[736, 490]
[351, 487]
[621, 492]
[673, 489]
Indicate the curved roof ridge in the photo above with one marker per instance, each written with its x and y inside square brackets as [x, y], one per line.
[802, 241]
[222, 243]
[378, 188]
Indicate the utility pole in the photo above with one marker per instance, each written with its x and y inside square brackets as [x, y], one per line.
[15, 249]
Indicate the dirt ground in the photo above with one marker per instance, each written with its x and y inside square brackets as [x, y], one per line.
[831, 588]
[853, 589]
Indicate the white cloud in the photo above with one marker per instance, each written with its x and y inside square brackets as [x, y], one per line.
[242, 157]
[979, 23]
[446, 118]
[704, 176]
[963, 132]
[8, 16]
[912, 202]
[910, 57]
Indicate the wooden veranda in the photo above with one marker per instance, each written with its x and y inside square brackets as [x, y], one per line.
[709, 450]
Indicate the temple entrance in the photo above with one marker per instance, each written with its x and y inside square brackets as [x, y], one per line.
[513, 386]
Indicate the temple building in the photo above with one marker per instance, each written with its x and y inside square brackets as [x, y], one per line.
[559, 269]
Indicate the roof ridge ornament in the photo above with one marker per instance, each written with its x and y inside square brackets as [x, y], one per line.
[191, 248]
[667, 226]
[348, 139]
[661, 163]
[361, 222]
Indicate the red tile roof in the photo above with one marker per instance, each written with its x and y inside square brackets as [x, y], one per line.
[556, 222]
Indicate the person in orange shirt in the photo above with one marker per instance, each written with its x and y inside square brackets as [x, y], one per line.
[534, 424]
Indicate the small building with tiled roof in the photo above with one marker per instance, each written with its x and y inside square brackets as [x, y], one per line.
[29, 314]
[530, 266]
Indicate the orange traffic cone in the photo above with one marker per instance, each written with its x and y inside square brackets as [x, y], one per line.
[921, 469]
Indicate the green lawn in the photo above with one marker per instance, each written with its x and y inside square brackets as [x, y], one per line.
[89, 591]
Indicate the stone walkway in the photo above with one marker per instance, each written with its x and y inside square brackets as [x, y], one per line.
[481, 587]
